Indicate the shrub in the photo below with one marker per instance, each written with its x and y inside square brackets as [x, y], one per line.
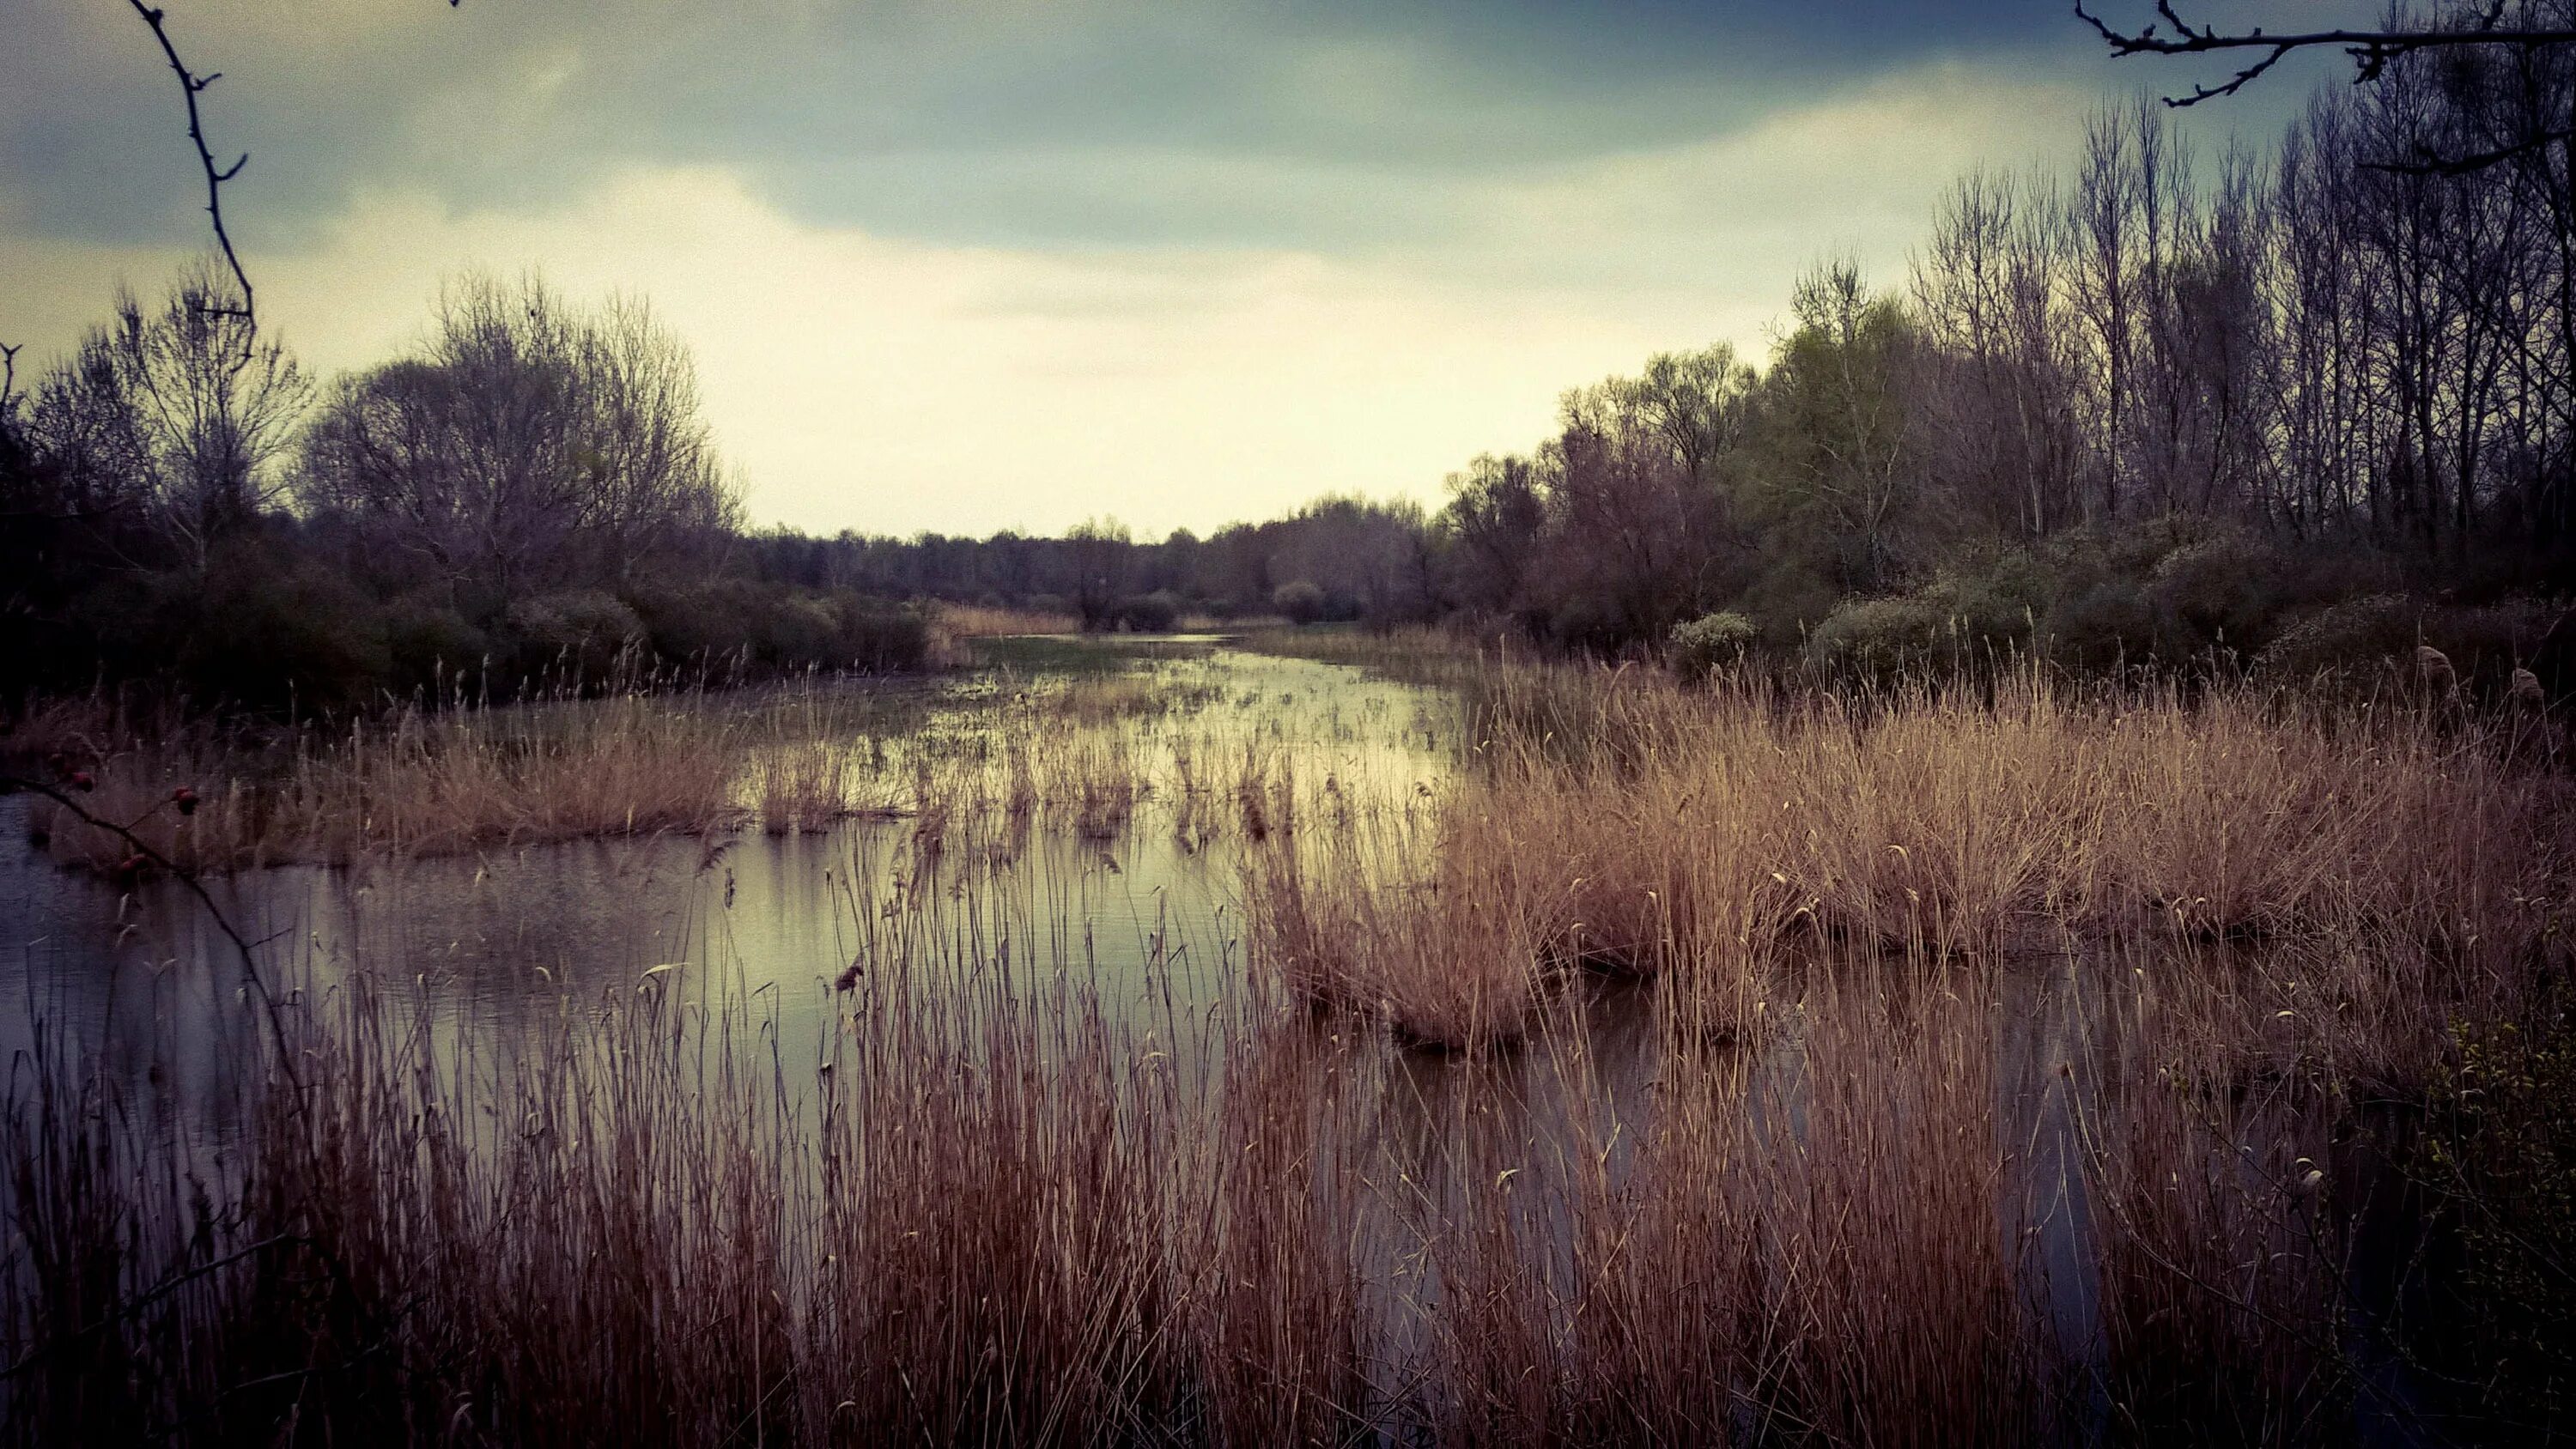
[800, 631]
[879, 637]
[428, 644]
[1153, 613]
[2353, 633]
[1710, 642]
[1787, 603]
[2487, 642]
[2099, 623]
[2500, 1146]
[263, 631]
[1299, 600]
[2216, 592]
[582, 631]
[1993, 600]
[1880, 636]
[711, 624]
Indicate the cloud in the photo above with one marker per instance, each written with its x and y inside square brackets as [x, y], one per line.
[893, 383]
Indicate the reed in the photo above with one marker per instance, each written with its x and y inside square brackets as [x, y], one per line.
[1618, 818]
[1626, 1088]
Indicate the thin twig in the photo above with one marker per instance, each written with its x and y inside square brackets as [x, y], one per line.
[251, 976]
[2372, 51]
[192, 85]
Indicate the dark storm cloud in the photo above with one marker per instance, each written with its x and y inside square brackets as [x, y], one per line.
[1077, 123]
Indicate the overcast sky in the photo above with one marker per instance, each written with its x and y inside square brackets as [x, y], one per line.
[973, 264]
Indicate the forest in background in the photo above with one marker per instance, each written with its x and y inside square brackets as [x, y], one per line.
[2287, 411]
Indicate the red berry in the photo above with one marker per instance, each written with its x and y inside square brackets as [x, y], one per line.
[81, 779]
[185, 799]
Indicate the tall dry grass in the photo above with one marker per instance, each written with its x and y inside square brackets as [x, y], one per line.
[982, 621]
[787, 760]
[1994, 1137]
[1619, 818]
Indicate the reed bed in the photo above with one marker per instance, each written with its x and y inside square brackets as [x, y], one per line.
[1619, 819]
[995, 1207]
[795, 760]
[1598, 1095]
[984, 621]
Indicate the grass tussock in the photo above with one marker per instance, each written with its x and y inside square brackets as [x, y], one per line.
[1618, 818]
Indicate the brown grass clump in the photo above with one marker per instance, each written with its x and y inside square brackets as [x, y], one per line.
[1619, 819]
[984, 621]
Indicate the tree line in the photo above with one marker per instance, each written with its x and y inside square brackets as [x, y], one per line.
[2302, 407]
[2288, 408]
[531, 495]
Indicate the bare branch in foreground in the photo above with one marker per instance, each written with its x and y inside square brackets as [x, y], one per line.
[2371, 51]
[193, 85]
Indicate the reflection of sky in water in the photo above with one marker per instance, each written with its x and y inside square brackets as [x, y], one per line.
[487, 934]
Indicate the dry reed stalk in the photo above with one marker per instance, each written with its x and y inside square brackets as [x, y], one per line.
[980, 621]
[2221, 1263]
[1891, 1232]
[1642, 821]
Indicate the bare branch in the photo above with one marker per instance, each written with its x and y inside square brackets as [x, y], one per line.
[252, 979]
[2428, 162]
[8, 374]
[192, 85]
[2371, 50]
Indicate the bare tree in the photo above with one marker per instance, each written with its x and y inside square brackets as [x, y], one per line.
[531, 444]
[176, 417]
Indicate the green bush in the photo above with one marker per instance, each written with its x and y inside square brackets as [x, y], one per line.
[430, 646]
[2099, 624]
[878, 637]
[582, 633]
[714, 625]
[1787, 603]
[1993, 599]
[795, 632]
[269, 633]
[2219, 592]
[1710, 642]
[2499, 1147]
[2487, 642]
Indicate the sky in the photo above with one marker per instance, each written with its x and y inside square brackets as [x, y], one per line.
[964, 265]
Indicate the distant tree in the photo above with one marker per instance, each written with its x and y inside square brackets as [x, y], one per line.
[531, 443]
[1837, 410]
[172, 418]
[1101, 550]
[1496, 516]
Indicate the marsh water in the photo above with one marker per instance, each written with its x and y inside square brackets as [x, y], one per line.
[1102, 867]
[1074, 817]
